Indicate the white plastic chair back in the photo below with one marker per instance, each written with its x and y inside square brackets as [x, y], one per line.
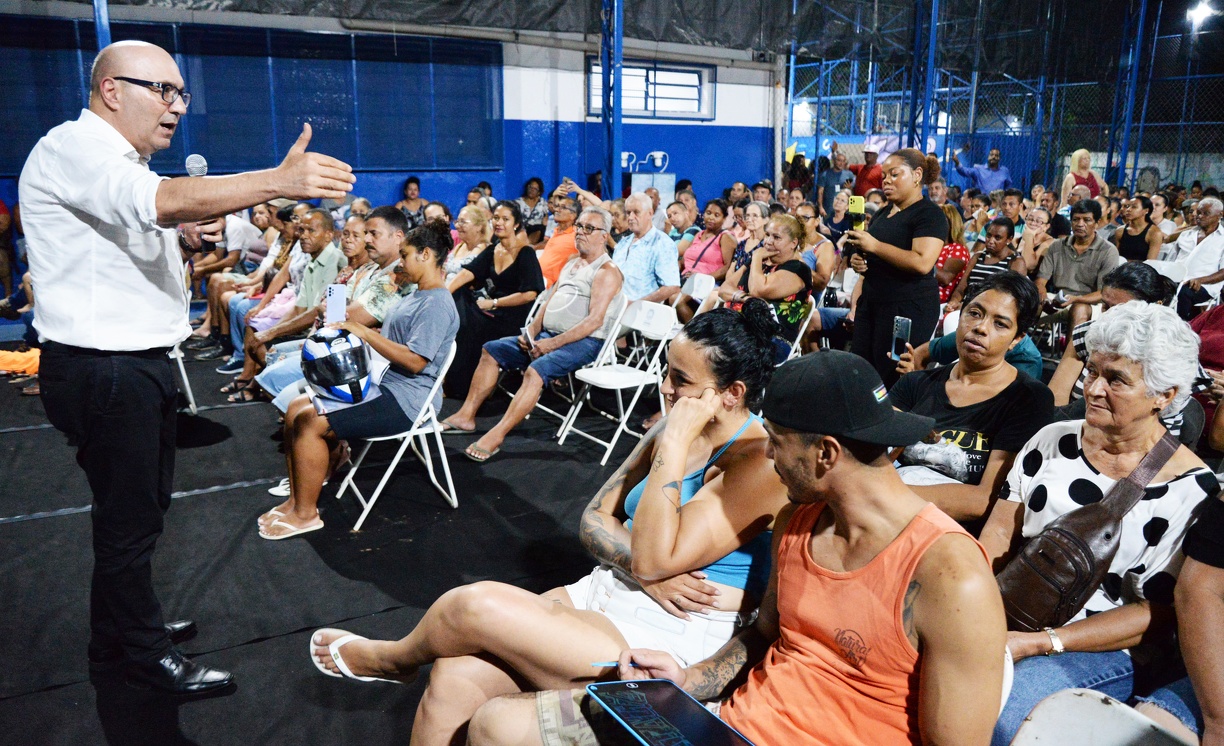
[950, 322]
[849, 281]
[697, 287]
[651, 320]
[1175, 271]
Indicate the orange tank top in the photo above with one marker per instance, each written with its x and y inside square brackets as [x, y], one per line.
[842, 672]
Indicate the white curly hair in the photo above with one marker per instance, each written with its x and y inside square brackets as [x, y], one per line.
[1155, 337]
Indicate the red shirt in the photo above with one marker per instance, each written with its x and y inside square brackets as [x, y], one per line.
[949, 252]
[866, 178]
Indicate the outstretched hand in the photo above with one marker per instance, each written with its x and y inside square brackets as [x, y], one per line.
[313, 175]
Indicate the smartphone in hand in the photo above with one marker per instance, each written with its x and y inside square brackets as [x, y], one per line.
[900, 337]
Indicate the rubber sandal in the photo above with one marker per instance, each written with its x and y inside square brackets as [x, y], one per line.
[294, 530]
[236, 385]
[446, 427]
[243, 396]
[334, 650]
[477, 456]
[273, 512]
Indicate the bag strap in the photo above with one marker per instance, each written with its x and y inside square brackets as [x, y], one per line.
[1126, 493]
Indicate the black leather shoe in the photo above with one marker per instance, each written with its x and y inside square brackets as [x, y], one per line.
[180, 631]
[210, 353]
[175, 674]
[198, 343]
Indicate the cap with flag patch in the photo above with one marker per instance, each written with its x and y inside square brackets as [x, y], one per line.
[839, 394]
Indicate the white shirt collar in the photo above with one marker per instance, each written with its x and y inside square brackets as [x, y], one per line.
[107, 131]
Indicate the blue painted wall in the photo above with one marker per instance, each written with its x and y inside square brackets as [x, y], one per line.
[712, 156]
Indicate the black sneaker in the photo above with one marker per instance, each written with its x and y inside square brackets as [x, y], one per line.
[231, 367]
[211, 353]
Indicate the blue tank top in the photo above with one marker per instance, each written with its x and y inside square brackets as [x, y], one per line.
[746, 568]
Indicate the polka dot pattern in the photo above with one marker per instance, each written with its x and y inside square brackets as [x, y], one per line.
[1037, 500]
[1085, 492]
[1113, 586]
[1208, 483]
[1159, 588]
[1155, 493]
[1032, 463]
[1154, 529]
[1068, 446]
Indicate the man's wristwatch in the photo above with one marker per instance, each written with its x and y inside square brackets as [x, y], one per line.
[1055, 641]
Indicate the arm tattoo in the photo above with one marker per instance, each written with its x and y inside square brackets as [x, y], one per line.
[673, 487]
[907, 612]
[602, 545]
[720, 674]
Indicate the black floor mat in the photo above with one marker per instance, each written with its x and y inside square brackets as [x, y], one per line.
[256, 600]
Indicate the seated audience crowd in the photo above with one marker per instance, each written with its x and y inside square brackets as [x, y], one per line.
[821, 550]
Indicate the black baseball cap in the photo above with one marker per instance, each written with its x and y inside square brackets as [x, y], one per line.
[764, 183]
[839, 394]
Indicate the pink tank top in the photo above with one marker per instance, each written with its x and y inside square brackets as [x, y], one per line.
[706, 257]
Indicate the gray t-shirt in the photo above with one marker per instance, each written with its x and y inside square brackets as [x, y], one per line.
[1078, 274]
[426, 323]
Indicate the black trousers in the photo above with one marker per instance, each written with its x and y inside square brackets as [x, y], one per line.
[873, 329]
[1188, 299]
[119, 410]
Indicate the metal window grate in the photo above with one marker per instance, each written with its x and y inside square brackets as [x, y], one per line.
[656, 91]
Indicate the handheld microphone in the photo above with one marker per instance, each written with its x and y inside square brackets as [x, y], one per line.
[197, 165]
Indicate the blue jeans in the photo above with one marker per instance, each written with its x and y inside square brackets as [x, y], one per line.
[239, 305]
[1178, 700]
[1039, 677]
[556, 364]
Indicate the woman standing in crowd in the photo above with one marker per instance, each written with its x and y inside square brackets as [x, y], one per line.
[775, 274]
[413, 205]
[996, 256]
[494, 293]
[1138, 238]
[681, 531]
[953, 257]
[474, 232]
[534, 208]
[1082, 175]
[896, 257]
[1035, 241]
[417, 335]
[1142, 361]
[985, 410]
[711, 250]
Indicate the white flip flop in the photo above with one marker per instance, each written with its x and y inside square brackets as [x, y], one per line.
[334, 650]
[294, 530]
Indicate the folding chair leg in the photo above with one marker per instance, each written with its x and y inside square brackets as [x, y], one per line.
[448, 492]
[191, 402]
[572, 417]
[369, 505]
[622, 425]
[352, 472]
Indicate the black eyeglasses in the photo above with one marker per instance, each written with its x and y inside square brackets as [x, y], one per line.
[587, 229]
[169, 93]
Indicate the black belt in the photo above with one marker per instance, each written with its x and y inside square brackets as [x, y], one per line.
[150, 354]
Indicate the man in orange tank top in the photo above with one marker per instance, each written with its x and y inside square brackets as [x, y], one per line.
[882, 623]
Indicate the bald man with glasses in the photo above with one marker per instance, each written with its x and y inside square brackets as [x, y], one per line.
[112, 302]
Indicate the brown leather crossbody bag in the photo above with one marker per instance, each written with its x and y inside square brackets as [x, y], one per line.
[1059, 569]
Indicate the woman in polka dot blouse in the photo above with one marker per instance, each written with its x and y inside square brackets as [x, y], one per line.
[1142, 361]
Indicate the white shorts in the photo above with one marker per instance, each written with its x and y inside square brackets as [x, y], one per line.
[644, 624]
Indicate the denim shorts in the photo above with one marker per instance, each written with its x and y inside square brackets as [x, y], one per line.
[557, 364]
[1178, 700]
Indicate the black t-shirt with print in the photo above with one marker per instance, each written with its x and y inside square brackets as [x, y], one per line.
[790, 311]
[1005, 422]
[523, 275]
[885, 282]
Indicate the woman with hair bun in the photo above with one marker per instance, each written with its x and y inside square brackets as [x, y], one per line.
[416, 335]
[896, 256]
[681, 532]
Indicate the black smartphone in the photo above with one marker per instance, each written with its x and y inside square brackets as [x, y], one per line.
[658, 713]
[900, 337]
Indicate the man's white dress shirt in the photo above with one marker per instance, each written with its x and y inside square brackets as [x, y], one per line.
[1201, 258]
[106, 276]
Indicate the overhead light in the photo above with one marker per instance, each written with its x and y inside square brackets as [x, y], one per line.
[1200, 13]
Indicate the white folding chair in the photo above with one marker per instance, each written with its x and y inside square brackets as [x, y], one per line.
[697, 287]
[607, 350]
[652, 321]
[797, 346]
[1175, 271]
[426, 424]
[1089, 718]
